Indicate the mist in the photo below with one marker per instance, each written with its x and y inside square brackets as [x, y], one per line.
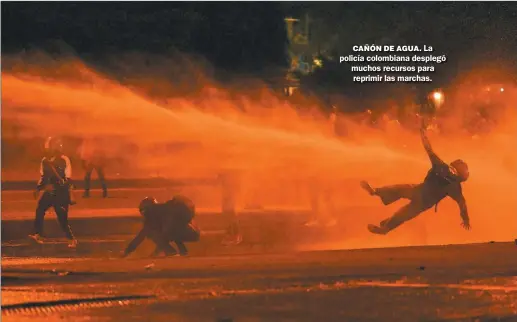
[278, 148]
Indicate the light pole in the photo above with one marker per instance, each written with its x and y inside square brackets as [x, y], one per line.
[290, 21]
[438, 98]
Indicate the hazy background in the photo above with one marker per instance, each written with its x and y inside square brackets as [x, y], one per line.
[191, 90]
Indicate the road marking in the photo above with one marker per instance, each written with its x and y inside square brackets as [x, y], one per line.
[342, 285]
[40, 308]
[474, 287]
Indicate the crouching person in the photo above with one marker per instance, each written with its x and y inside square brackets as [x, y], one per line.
[164, 223]
[179, 227]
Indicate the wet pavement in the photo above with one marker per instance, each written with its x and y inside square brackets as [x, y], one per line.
[440, 283]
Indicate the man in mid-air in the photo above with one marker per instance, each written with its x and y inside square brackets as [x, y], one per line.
[167, 222]
[442, 180]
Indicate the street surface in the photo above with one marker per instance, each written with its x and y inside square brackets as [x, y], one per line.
[475, 282]
[350, 231]
[206, 198]
[22, 201]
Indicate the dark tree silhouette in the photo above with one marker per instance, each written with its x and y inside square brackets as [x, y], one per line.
[233, 36]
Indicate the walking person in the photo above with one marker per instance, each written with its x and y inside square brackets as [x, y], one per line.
[54, 189]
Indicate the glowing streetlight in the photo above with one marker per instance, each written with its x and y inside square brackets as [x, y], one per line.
[318, 62]
[438, 98]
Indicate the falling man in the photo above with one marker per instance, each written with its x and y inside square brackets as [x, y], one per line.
[442, 180]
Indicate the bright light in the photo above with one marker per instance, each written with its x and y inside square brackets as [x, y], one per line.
[318, 62]
[437, 96]
[502, 89]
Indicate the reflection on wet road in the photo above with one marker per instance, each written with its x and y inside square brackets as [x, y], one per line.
[456, 283]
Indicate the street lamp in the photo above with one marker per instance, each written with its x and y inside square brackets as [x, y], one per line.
[438, 98]
[290, 21]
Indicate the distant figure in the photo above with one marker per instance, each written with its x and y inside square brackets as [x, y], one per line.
[56, 185]
[93, 158]
[321, 191]
[229, 188]
[338, 126]
[441, 181]
[172, 221]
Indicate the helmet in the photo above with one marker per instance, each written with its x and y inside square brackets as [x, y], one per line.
[146, 203]
[53, 144]
[461, 168]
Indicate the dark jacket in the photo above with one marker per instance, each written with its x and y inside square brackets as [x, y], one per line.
[163, 221]
[441, 181]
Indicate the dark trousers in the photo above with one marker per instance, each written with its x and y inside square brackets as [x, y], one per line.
[88, 176]
[179, 237]
[60, 201]
[162, 246]
[415, 207]
[233, 228]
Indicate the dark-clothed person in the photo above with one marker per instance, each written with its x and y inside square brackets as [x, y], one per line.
[54, 190]
[167, 222]
[442, 180]
[93, 158]
[230, 186]
[322, 203]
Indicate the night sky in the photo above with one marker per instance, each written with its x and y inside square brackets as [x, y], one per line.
[251, 37]
[230, 35]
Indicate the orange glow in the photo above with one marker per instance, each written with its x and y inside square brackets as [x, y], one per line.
[197, 128]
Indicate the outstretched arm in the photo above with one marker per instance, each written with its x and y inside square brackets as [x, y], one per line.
[135, 242]
[435, 160]
[40, 184]
[457, 195]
